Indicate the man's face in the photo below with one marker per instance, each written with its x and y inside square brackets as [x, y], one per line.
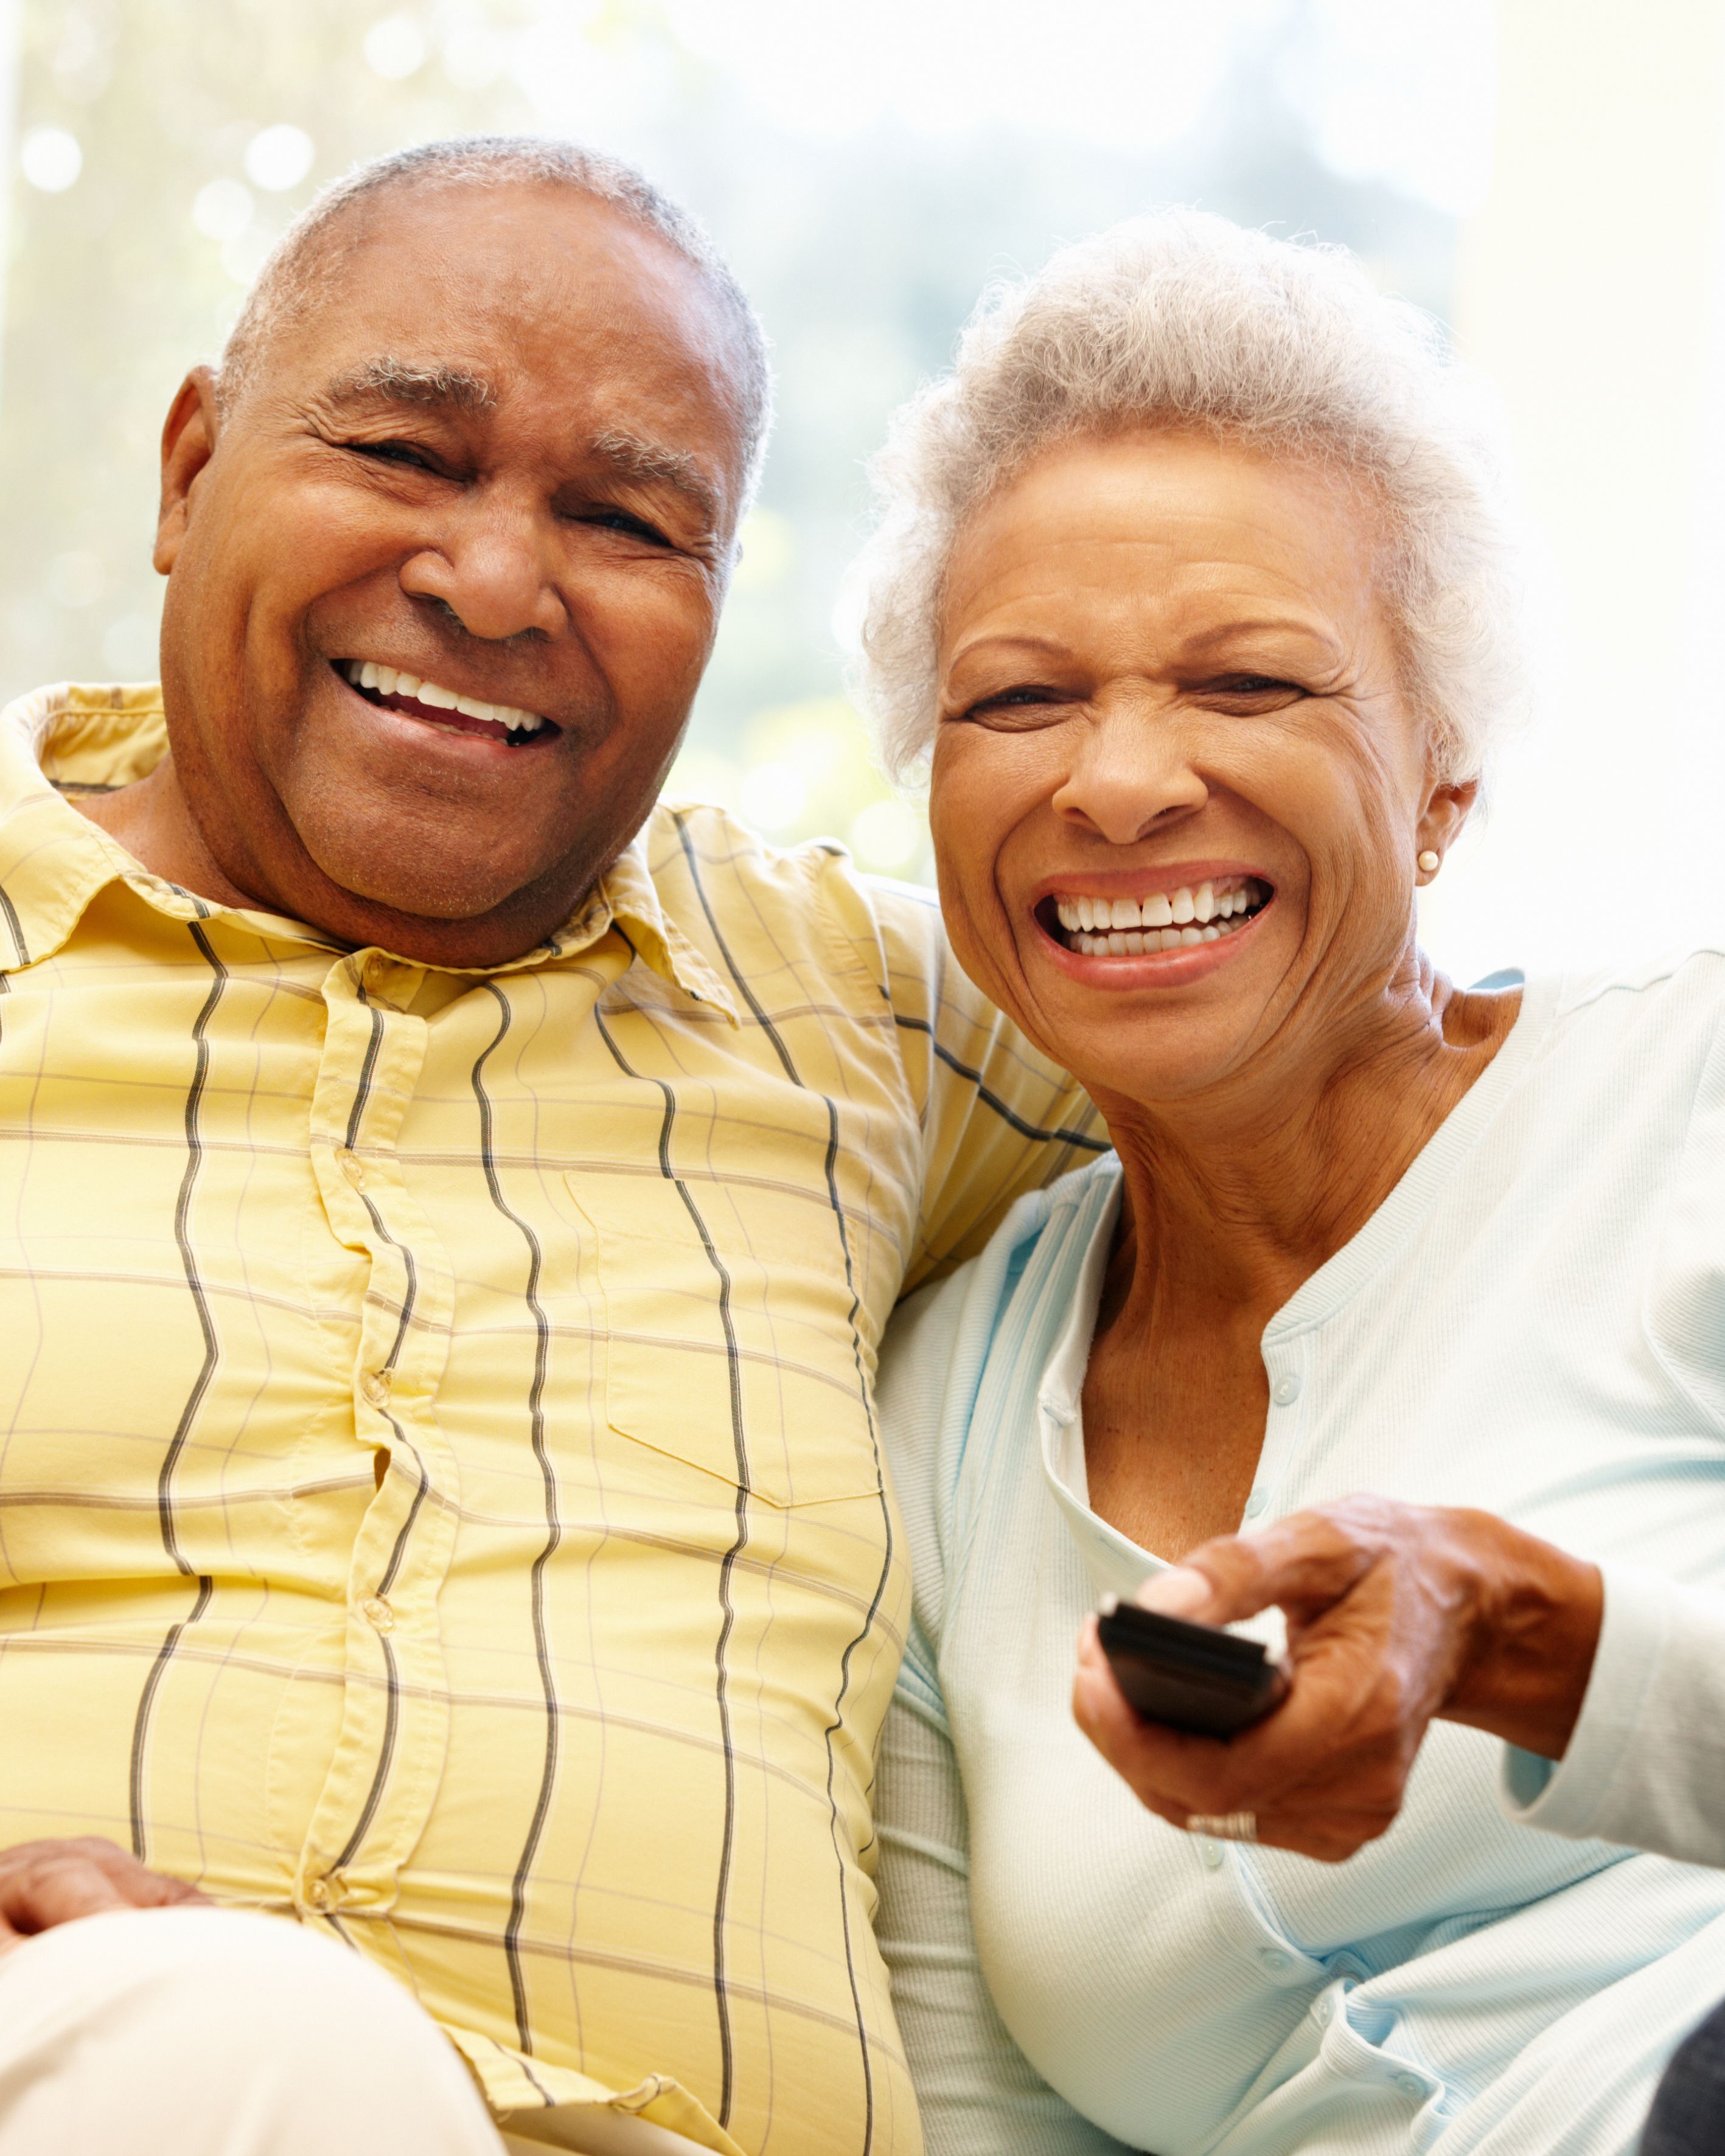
[501, 460]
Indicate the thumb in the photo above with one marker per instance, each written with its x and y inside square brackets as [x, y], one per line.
[1179, 1591]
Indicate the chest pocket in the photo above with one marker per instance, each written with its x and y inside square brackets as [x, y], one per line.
[728, 1343]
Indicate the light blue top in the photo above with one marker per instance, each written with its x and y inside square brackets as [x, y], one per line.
[1532, 1322]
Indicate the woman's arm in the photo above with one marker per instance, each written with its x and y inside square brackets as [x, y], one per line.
[978, 2093]
[1397, 1613]
[1645, 1764]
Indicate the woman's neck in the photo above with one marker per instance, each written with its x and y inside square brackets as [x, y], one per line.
[1240, 1195]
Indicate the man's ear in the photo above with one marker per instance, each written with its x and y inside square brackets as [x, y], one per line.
[188, 442]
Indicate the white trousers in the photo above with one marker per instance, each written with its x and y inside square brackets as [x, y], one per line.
[214, 2032]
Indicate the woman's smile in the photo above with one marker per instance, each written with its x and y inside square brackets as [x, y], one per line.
[1164, 931]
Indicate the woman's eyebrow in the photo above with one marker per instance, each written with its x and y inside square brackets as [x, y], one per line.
[1209, 643]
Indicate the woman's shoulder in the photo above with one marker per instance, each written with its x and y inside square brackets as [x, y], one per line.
[982, 1330]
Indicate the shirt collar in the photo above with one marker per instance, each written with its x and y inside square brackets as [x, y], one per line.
[69, 739]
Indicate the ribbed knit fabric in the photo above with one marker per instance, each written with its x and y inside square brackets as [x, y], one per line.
[1533, 1322]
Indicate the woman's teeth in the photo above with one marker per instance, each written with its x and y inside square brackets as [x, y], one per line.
[1165, 921]
[389, 681]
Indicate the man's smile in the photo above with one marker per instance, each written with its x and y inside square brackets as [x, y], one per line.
[414, 697]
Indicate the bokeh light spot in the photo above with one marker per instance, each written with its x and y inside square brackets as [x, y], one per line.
[279, 158]
[51, 159]
[394, 47]
[773, 795]
[886, 835]
[222, 210]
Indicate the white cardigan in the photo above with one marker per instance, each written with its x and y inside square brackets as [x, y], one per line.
[1533, 1322]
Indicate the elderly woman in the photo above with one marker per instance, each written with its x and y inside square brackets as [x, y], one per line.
[1193, 582]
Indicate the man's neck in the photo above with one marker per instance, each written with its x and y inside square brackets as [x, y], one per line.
[151, 820]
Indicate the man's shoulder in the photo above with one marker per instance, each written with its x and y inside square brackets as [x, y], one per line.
[808, 903]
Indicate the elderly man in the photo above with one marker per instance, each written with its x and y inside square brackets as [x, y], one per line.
[447, 1210]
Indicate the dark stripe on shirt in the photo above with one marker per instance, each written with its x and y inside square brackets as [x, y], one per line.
[993, 1100]
[206, 1369]
[553, 1533]
[15, 926]
[837, 1722]
[727, 2065]
[391, 1675]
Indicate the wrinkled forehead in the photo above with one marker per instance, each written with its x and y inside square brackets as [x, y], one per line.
[1177, 531]
[520, 292]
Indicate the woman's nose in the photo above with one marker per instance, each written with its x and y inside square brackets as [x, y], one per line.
[1130, 774]
[497, 576]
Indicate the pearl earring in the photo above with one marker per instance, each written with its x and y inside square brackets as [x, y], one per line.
[1429, 862]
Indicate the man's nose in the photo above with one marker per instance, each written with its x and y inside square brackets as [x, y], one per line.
[497, 574]
[1131, 771]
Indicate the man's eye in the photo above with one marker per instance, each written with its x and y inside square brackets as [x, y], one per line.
[393, 453]
[621, 519]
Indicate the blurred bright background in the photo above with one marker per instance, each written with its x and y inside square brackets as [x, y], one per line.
[1548, 176]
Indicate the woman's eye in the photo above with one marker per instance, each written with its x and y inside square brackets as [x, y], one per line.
[1253, 686]
[1027, 704]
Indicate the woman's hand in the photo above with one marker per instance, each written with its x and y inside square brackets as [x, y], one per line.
[1396, 1613]
[45, 1883]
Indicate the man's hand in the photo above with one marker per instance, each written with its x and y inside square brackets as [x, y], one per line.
[45, 1883]
[1397, 1613]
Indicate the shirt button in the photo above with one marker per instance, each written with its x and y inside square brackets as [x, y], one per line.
[1277, 1962]
[1256, 1503]
[377, 972]
[374, 1388]
[318, 1894]
[352, 1167]
[1211, 1852]
[1286, 1390]
[1321, 2011]
[1410, 2085]
[377, 1614]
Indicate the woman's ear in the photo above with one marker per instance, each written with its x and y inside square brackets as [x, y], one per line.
[188, 442]
[1447, 809]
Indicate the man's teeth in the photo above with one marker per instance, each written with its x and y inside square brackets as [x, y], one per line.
[388, 681]
[1136, 927]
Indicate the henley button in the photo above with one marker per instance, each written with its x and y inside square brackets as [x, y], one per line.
[1410, 2085]
[352, 1167]
[377, 1614]
[1287, 1390]
[1211, 1852]
[1276, 1961]
[374, 1388]
[1256, 1504]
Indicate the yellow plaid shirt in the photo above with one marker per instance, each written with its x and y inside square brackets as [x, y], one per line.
[439, 1489]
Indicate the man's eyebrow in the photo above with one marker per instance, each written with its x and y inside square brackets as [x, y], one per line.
[632, 456]
[405, 382]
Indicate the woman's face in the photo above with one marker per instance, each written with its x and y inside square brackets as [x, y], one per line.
[1178, 790]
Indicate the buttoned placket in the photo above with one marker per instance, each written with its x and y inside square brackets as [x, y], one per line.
[388, 1757]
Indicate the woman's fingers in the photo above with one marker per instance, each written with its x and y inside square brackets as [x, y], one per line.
[1304, 1562]
[1329, 1766]
[45, 1883]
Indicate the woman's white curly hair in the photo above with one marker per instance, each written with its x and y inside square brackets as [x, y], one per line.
[1183, 319]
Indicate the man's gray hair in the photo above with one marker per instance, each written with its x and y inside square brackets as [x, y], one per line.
[308, 258]
[1184, 321]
